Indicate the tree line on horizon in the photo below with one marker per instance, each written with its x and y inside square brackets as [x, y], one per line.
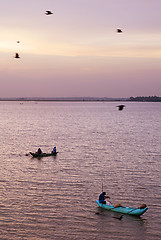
[146, 99]
[134, 99]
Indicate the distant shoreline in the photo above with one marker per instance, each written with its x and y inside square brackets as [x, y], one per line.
[61, 100]
[85, 99]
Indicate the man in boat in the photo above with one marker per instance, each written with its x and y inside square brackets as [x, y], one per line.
[39, 151]
[54, 150]
[102, 197]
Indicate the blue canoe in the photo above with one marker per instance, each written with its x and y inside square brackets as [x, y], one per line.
[125, 210]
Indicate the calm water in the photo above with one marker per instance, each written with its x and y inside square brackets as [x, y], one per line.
[54, 198]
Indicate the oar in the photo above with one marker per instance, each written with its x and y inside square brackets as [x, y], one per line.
[119, 218]
[132, 210]
[126, 213]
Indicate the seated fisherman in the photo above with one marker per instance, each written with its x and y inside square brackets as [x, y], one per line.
[102, 197]
[39, 151]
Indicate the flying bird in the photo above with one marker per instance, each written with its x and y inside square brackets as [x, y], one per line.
[48, 13]
[119, 30]
[17, 55]
[120, 107]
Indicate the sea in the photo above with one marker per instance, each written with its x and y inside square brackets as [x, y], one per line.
[99, 148]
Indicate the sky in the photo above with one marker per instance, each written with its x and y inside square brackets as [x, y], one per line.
[76, 51]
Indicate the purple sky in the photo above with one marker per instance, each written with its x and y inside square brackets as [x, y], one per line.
[76, 52]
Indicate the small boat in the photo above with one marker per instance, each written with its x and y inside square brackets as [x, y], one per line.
[125, 210]
[43, 154]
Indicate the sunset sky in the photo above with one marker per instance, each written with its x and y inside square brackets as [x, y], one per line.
[76, 52]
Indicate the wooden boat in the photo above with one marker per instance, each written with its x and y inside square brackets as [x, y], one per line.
[125, 210]
[43, 154]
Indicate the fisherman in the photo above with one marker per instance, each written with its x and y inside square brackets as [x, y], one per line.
[39, 151]
[54, 150]
[102, 197]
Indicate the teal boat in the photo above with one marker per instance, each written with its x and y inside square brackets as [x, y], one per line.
[125, 210]
[43, 154]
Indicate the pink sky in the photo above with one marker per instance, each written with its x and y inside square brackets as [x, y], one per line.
[76, 52]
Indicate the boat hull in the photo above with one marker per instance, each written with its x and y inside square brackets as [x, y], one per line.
[43, 154]
[125, 210]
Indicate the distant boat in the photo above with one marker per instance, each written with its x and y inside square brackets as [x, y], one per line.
[126, 210]
[43, 154]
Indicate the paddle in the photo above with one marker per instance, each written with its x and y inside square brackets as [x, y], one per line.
[131, 210]
[119, 218]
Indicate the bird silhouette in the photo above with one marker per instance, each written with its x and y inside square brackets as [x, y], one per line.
[119, 30]
[120, 107]
[119, 218]
[17, 55]
[48, 13]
